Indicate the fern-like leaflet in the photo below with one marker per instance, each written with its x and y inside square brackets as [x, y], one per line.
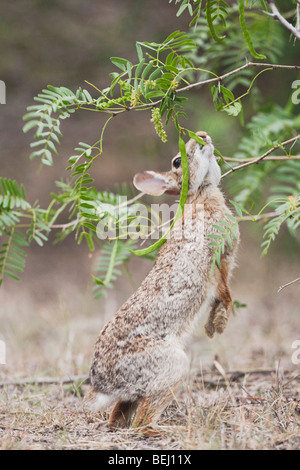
[266, 129]
[210, 54]
[12, 256]
[12, 204]
[113, 254]
[288, 212]
[19, 224]
[225, 235]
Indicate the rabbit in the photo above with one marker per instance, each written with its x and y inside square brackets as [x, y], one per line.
[140, 359]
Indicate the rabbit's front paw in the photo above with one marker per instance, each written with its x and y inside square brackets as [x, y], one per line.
[220, 319]
[217, 320]
[209, 328]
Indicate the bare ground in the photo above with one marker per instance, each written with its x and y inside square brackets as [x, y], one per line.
[243, 390]
[254, 410]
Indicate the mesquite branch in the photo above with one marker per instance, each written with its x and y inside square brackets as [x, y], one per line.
[262, 157]
[246, 162]
[216, 79]
[288, 284]
[278, 16]
[239, 69]
[273, 159]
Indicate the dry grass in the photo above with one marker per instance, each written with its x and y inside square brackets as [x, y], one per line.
[251, 411]
[50, 325]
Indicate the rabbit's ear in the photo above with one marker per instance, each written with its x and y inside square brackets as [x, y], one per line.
[156, 184]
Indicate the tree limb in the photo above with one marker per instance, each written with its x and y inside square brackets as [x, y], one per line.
[46, 380]
[255, 218]
[262, 157]
[269, 159]
[288, 284]
[239, 69]
[277, 16]
[210, 80]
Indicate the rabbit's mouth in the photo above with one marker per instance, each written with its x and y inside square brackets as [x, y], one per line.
[204, 136]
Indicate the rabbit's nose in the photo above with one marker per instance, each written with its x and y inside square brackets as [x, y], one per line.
[203, 135]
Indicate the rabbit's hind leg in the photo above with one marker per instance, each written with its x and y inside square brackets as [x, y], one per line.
[121, 413]
[148, 413]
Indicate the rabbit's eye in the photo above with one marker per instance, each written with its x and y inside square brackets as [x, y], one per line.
[177, 162]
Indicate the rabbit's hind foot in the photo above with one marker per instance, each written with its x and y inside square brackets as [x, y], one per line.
[148, 412]
[121, 414]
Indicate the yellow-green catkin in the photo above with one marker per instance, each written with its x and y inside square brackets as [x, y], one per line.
[156, 119]
[134, 99]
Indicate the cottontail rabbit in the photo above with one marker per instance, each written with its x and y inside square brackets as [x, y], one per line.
[139, 358]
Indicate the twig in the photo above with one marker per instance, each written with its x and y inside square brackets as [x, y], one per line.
[250, 398]
[230, 375]
[46, 380]
[130, 201]
[277, 16]
[236, 374]
[255, 218]
[269, 159]
[262, 157]
[223, 374]
[65, 226]
[13, 429]
[77, 221]
[211, 80]
[288, 284]
[156, 229]
[291, 380]
[239, 69]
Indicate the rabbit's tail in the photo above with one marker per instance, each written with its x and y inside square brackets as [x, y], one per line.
[97, 401]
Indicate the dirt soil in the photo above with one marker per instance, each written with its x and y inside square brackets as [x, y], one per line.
[243, 389]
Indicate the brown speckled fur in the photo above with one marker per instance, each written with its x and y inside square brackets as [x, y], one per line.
[139, 359]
